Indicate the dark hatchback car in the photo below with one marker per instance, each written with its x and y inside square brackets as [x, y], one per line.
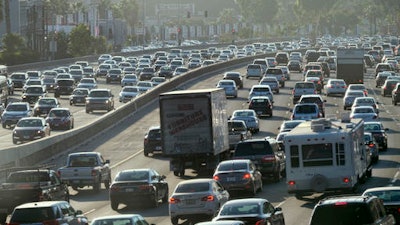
[266, 155]
[147, 73]
[64, 87]
[138, 186]
[60, 118]
[251, 211]
[377, 129]
[295, 65]
[261, 105]
[114, 75]
[152, 141]
[235, 76]
[350, 210]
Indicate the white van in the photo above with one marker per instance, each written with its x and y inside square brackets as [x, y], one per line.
[326, 155]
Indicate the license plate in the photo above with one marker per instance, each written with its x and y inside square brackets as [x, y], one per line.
[231, 179]
[26, 137]
[259, 112]
[190, 201]
[158, 147]
[79, 100]
[129, 190]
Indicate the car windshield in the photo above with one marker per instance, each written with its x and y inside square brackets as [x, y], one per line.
[58, 113]
[130, 89]
[65, 82]
[99, 94]
[368, 127]
[34, 90]
[243, 114]
[386, 195]
[16, 108]
[253, 148]
[47, 101]
[193, 187]
[80, 92]
[305, 109]
[29, 123]
[240, 209]
[133, 175]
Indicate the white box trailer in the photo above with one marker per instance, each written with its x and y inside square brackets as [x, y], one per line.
[326, 155]
[194, 128]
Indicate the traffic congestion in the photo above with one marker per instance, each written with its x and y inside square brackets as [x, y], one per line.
[299, 145]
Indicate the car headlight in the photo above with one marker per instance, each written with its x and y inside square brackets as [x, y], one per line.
[87, 101]
[107, 101]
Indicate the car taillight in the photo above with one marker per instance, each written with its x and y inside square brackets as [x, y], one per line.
[114, 188]
[246, 176]
[173, 200]
[208, 198]
[346, 180]
[216, 177]
[146, 187]
[94, 173]
[375, 117]
[268, 159]
[260, 222]
[291, 182]
[371, 145]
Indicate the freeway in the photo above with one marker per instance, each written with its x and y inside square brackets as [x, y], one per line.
[123, 145]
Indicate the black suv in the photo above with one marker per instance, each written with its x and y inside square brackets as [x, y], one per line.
[64, 87]
[152, 140]
[314, 98]
[262, 105]
[352, 210]
[282, 58]
[266, 155]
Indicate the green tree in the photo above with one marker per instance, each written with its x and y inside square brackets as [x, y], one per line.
[80, 41]
[62, 45]
[15, 51]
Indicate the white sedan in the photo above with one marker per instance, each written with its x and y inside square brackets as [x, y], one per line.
[367, 113]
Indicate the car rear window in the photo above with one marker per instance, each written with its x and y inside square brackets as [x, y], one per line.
[232, 166]
[156, 133]
[306, 109]
[253, 148]
[304, 85]
[32, 215]
[274, 71]
[254, 66]
[342, 213]
[194, 187]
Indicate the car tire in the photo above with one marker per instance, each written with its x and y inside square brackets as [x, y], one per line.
[174, 220]
[87, 111]
[166, 198]
[394, 103]
[3, 125]
[277, 176]
[146, 153]
[260, 189]
[97, 186]
[154, 200]
[15, 141]
[107, 183]
[114, 205]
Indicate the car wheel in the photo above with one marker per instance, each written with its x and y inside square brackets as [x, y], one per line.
[87, 111]
[3, 125]
[96, 187]
[277, 175]
[145, 153]
[107, 183]
[174, 220]
[154, 200]
[394, 103]
[165, 198]
[260, 189]
[15, 141]
[114, 205]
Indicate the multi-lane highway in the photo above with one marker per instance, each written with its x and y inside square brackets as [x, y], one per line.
[123, 145]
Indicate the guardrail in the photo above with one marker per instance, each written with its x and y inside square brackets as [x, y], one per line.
[34, 152]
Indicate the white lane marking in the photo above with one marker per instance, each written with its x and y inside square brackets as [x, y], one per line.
[88, 212]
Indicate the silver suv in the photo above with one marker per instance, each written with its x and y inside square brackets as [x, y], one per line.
[14, 112]
[47, 212]
[99, 99]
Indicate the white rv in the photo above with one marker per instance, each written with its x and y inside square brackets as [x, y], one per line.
[326, 155]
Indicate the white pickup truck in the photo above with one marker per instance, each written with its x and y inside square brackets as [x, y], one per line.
[86, 169]
[237, 132]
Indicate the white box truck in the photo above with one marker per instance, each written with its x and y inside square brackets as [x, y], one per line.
[326, 155]
[194, 129]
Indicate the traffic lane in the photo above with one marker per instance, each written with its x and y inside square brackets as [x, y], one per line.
[275, 192]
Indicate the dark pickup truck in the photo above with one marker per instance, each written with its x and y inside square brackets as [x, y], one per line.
[30, 185]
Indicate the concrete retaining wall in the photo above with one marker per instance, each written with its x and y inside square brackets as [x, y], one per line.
[31, 153]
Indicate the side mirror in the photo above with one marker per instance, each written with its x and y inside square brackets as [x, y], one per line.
[107, 161]
[278, 209]
[78, 212]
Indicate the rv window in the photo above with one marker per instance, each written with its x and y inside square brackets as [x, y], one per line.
[317, 155]
[340, 155]
[294, 156]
